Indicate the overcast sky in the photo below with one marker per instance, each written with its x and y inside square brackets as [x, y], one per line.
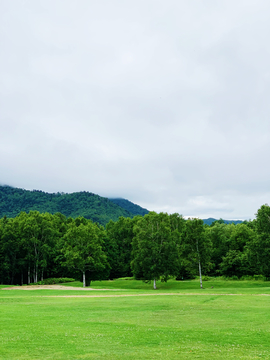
[164, 103]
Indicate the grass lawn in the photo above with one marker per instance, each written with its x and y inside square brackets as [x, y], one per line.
[42, 324]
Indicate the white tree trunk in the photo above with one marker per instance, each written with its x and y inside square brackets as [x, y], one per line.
[83, 278]
[29, 280]
[41, 275]
[200, 273]
[155, 286]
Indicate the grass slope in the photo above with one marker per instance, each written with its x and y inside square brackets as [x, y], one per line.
[41, 324]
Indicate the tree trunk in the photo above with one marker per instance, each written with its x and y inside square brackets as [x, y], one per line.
[28, 275]
[36, 275]
[200, 273]
[155, 287]
[83, 278]
[22, 278]
[41, 275]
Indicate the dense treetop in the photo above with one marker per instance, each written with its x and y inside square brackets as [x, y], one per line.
[39, 245]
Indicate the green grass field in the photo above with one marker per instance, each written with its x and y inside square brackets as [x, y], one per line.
[43, 324]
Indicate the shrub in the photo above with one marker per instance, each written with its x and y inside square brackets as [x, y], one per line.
[229, 278]
[206, 278]
[247, 277]
[258, 277]
[52, 281]
[126, 278]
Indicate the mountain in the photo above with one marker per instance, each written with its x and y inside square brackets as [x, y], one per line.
[86, 204]
[129, 206]
[209, 221]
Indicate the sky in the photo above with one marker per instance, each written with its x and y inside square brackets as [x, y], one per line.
[163, 103]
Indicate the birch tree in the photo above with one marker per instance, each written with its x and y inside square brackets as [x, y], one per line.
[155, 249]
[38, 239]
[196, 247]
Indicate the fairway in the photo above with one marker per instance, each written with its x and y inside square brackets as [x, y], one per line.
[226, 320]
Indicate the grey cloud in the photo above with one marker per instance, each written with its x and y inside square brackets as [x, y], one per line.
[165, 104]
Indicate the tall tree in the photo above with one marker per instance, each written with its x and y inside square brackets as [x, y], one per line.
[118, 246]
[259, 247]
[196, 247]
[155, 249]
[38, 236]
[82, 248]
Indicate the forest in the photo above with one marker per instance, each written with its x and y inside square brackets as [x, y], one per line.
[35, 246]
[90, 206]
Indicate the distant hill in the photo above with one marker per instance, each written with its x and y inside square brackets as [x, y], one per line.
[209, 221]
[86, 204]
[129, 206]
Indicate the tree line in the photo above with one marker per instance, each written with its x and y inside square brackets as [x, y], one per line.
[35, 245]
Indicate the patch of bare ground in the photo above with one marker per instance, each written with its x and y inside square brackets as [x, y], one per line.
[50, 287]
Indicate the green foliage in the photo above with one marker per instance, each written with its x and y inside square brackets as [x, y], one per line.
[82, 249]
[258, 248]
[85, 204]
[155, 247]
[130, 207]
[259, 277]
[118, 246]
[212, 221]
[38, 245]
[246, 277]
[206, 278]
[52, 281]
[195, 248]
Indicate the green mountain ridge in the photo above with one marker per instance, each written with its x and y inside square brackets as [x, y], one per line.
[209, 221]
[129, 206]
[91, 206]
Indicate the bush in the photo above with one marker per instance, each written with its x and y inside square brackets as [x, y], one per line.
[206, 278]
[126, 278]
[247, 277]
[258, 277]
[52, 281]
[229, 278]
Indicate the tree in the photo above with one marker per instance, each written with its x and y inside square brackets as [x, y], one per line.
[118, 246]
[218, 234]
[235, 261]
[155, 248]
[82, 248]
[10, 250]
[259, 247]
[195, 246]
[38, 235]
